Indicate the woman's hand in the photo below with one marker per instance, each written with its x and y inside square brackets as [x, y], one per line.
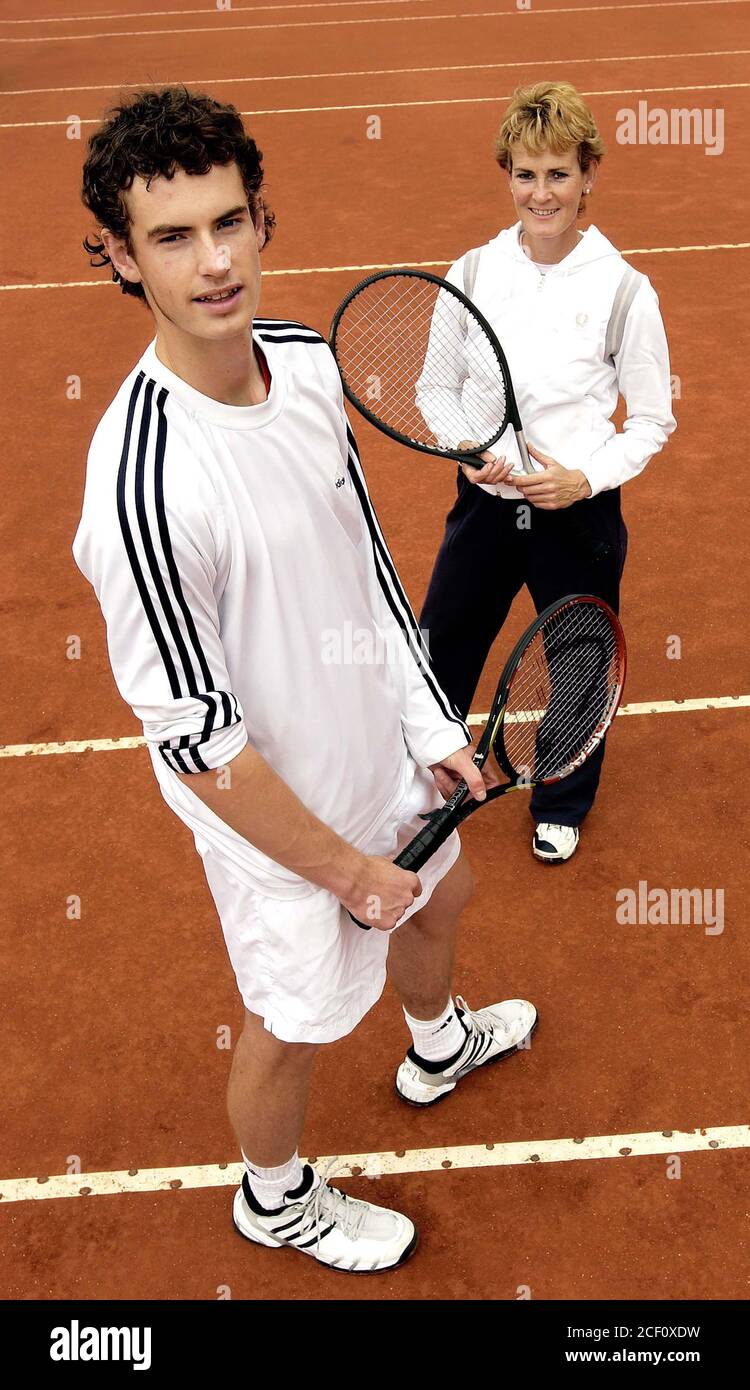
[495, 469]
[556, 487]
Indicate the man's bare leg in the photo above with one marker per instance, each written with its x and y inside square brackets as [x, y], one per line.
[267, 1093]
[270, 1080]
[420, 956]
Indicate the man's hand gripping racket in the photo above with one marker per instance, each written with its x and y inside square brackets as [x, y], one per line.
[557, 696]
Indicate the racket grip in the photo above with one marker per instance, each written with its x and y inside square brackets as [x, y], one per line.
[528, 466]
[418, 850]
[366, 926]
[439, 826]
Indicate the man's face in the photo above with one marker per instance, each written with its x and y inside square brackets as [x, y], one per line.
[546, 190]
[193, 236]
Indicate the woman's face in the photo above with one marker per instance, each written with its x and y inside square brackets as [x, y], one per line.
[546, 189]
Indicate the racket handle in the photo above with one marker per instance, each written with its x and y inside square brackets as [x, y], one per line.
[528, 466]
[477, 461]
[366, 926]
[439, 826]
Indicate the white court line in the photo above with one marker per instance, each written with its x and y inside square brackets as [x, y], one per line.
[383, 72]
[523, 15]
[377, 106]
[117, 745]
[648, 707]
[377, 265]
[379, 1165]
[84, 745]
[211, 9]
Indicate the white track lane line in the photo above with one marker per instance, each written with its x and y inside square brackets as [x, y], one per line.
[648, 707]
[211, 9]
[376, 106]
[379, 265]
[377, 1165]
[444, 101]
[117, 745]
[523, 15]
[385, 72]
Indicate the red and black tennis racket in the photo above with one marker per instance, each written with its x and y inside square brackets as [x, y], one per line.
[557, 696]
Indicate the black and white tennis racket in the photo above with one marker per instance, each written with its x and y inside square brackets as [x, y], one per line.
[557, 696]
[423, 365]
[420, 361]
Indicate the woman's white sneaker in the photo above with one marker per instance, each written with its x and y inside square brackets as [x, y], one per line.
[553, 844]
[323, 1222]
[491, 1034]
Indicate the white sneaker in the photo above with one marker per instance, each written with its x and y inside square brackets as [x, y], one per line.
[553, 844]
[323, 1222]
[491, 1034]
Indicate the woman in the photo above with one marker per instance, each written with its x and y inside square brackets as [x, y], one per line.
[573, 344]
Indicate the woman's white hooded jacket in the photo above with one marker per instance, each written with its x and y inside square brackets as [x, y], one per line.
[552, 326]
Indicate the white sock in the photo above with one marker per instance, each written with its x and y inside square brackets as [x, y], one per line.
[270, 1184]
[438, 1038]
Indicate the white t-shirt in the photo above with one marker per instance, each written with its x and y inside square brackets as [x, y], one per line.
[249, 596]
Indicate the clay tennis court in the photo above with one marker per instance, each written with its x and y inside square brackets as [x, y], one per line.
[609, 1161]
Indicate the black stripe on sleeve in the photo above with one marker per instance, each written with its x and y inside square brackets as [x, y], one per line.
[185, 676]
[394, 592]
[127, 534]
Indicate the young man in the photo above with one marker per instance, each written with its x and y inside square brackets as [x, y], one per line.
[229, 536]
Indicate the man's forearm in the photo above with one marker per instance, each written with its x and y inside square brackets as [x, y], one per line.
[250, 797]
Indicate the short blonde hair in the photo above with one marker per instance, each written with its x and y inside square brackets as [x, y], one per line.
[549, 116]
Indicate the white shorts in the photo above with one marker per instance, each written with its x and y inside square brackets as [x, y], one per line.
[302, 964]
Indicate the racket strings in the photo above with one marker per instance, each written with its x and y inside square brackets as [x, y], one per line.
[562, 692]
[392, 352]
[406, 355]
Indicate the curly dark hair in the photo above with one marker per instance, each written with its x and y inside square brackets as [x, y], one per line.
[156, 132]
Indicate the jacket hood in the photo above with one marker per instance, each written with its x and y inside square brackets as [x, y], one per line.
[591, 247]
